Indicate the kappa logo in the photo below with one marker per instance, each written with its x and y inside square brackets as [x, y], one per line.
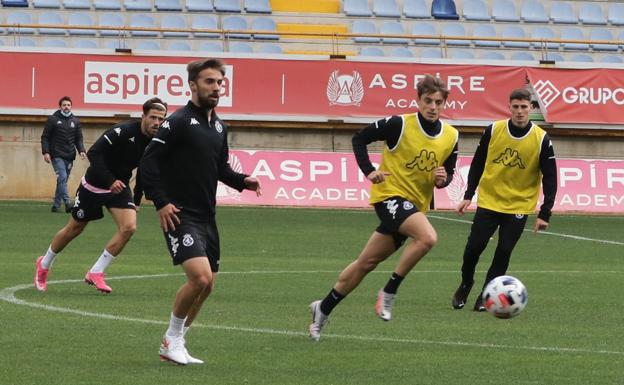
[392, 206]
[546, 91]
[59, 122]
[72, 125]
[117, 130]
[345, 90]
[510, 158]
[165, 124]
[426, 161]
[131, 139]
[174, 244]
[194, 122]
[187, 240]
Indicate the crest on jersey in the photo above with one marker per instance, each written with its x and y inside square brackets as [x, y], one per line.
[345, 90]
[187, 240]
[218, 126]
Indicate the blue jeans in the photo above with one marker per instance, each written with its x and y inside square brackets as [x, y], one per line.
[62, 168]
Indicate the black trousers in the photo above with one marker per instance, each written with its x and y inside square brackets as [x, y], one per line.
[485, 223]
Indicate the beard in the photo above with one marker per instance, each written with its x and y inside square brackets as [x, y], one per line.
[206, 102]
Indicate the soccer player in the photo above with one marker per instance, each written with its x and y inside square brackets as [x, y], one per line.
[420, 154]
[112, 158]
[514, 155]
[180, 170]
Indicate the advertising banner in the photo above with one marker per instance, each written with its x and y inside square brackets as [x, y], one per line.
[321, 179]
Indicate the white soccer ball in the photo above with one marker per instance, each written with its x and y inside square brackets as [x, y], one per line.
[505, 296]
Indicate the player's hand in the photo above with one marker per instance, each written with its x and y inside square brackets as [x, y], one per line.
[439, 176]
[540, 224]
[168, 217]
[462, 206]
[253, 184]
[117, 186]
[46, 158]
[378, 176]
[83, 155]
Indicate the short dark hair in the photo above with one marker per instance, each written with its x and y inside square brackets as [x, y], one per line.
[154, 104]
[429, 85]
[197, 66]
[65, 98]
[520, 94]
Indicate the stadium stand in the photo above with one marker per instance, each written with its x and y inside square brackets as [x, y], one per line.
[455, 29]
[264, 24]
[401, 52]
[236, 23]
[138, 5]
[210, 46]
[416, 9]
[591, 13]
[616, 14]
[485, 30]
[562, 13]
[492, 55]
[257, 6]
[611, 59]
[150, 45]
[55, 43]
[141, 20]
[364, 27]
[392, 27]
[270, 48]
[522, 56]
[602, 34]
[475, 10]
[14, 3]
[178, 46]
[46, 4]
[533, 12]
[199, 6]
[51, 18]
[168, 5]
[110, 20]
[174, 21]
[107, 5]
[573, 33]
[543, 33]
[581, 57]
[426, 29]
[431, 53]
[241, 47]
[76, 4]
[514, 31]
[86, 43]
[20, 17]
[82, 19]
[204, 22]
[386, 8]
[227, 6]
[504, 10]
[357, 8]
[462, 54]
[444, 9]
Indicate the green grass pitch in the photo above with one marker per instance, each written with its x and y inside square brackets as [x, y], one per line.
[275, 261]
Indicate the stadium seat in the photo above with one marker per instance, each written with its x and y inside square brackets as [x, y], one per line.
[492, 55]
[573, 33]
[46, 3]
[454, 29]
[82, 19]
[174, 21]
[357, 8]
[386, 8]
[227, 6]
[611, 59]
[264, 24]
[14, 3]
[562, 13]
[51, 18]
[401, 52]
[364, 27]
[114, 5]
[533, 12]
[86, 43]
[236, 23]
[205, 22]
[475, 10]
[431, 53]
[54, 43]
[241, 47]
[110, 20]
[416, 9]
[269, 48]
[178, 46]
[504, 10]
[257, 6]
[444, 9]
[462, 54]
[199, 6]
[138, 5]
[539, 33]
[581, 58]
[147, 45]
[392, 27]
[25, 42]
[114, 44]
[168, 5]
[513, 31]
[591, 13]
[210, 46]
[555, 56]
[371, 51]
[141, 20]
[77, 4]
[616, 14]
[426, 29]
[602, 34]
[485, 30]
[527, 56]
[20, 17]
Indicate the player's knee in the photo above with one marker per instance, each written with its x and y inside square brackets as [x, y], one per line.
[127, 230]
[429, 240]
[203, 282]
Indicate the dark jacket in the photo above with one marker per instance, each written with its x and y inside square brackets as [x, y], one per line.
[62, 136]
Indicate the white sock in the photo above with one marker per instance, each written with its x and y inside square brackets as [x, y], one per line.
[102, 263]
[48, 258]
[176, 326]
[184, 330]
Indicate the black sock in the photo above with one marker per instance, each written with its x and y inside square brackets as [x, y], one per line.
[329, 303]
[393, 284]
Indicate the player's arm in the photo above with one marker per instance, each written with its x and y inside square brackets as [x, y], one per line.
[548, 167]
[478, 164]
[98, 153]
[444, 174]
[137, 192]
[388, 130]
[48, 129]
[78, 139]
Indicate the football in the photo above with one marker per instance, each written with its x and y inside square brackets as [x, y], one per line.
[505, 296]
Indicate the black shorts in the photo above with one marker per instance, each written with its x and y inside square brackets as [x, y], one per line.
[392, 213]
[88, 205]
[194, 238]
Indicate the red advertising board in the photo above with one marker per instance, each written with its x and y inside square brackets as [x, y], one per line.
[321, 179]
